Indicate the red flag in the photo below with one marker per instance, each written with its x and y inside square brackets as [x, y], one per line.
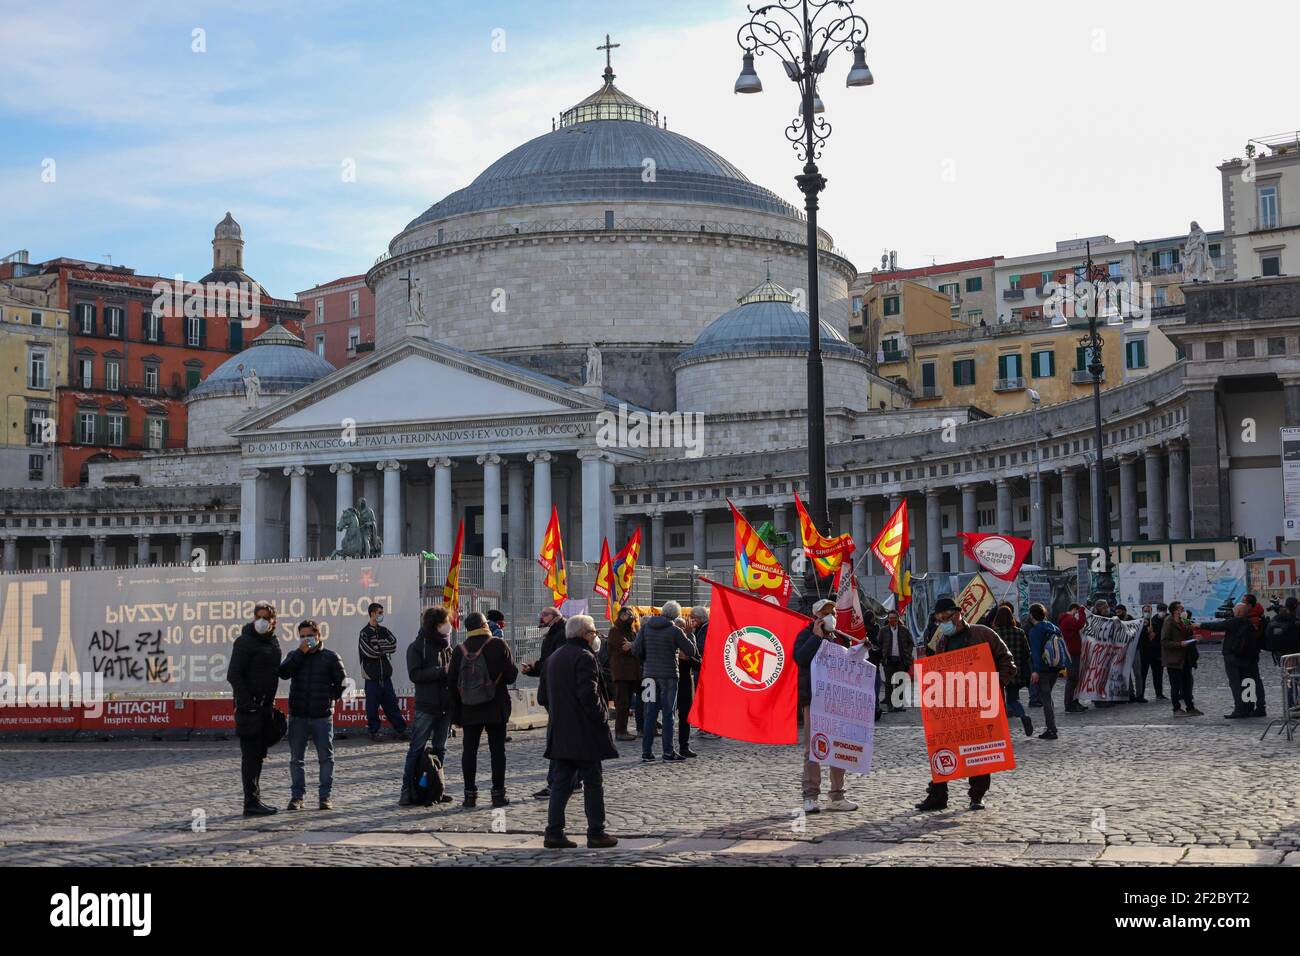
[827, 553]
[605, 579]
[451, 589]
[998, 554]
[890, 548]
[551, 558]
[848, 606]
[623, 570]
[756, 568]
[749, 682]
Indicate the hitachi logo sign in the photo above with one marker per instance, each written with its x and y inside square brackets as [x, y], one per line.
[137, 708]
[76, 909]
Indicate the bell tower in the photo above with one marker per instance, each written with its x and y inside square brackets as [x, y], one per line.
[228, 246]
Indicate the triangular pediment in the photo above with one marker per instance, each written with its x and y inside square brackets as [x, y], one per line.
[419, 382]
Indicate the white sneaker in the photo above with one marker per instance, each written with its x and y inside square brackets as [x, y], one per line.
[811, 806]
[841, 806]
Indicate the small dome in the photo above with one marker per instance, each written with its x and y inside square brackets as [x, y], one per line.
[228, 229]
[283, 364]
[765, 321]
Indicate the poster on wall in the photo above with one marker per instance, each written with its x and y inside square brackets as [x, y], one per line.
[1291, 484]
[1202, 586]
[166, 632]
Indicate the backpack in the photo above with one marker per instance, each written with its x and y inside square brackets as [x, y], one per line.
[473, 682]
[1055, 654]
[429, 784]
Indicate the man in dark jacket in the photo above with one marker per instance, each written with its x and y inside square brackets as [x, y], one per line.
[895, 642]
[428, 660]
[954, 634]
[806, 645]
[1282, 634]
[656, 646]
[577, 734]
[1241, 661]
[377, 645]
[695, 625]
[254, 675]
[316, 680]
[625, 670]
[553, 621]
[489, 717]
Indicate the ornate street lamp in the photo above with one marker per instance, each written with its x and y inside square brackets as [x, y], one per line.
[1093, 342]
[803, 34]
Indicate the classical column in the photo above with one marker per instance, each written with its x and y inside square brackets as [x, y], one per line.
[1006, 522]
[607, 506]
[1157, 528]
[223, 554]
[517, 530]
[1207, 471]
[861, 542]
[781, 523]
[342, 495]
[933, 531]
[249, 491]
[443, 532]
[187, 547]
[699, 539]
[1098, 507]
[370, 488]
[970, 520]
[1070, 505]
[541, 495]
[56, 553]
[142, 548]
[657, 539]
[1128, 499]
[97, 550]
[1180, 519]
[1039, 519]
[593, 500]
[393, 524]
[491, 502]
[11, 554]
[620, 534]
[297, 476]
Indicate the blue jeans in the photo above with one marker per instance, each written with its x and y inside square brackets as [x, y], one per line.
[380, 693]
[425, 727]
[320, 730]
[665, 702]
[1014, 707]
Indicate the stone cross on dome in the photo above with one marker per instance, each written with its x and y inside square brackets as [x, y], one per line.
[609, 56]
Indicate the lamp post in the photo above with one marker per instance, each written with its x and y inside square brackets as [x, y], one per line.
[1093, 342]
[1037, 400]
[803, 34]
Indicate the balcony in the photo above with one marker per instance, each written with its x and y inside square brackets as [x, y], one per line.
[142, 389]
[1013, 295]
[1081, 376]
[930, 392]
[890, 358]
[1010, 385]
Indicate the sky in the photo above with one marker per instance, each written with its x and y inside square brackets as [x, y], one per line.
[128, 129]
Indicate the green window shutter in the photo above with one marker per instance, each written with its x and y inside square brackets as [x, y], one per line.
[1051, 364]
[203, 332]
[236, 336]
[956, 374]
[1002, 366]
[101, 429]
[126, 429]
[166, 434]
[1080, 359]
[191, 379]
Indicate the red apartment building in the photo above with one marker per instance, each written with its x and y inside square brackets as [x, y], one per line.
[340, 320]
[133, 364]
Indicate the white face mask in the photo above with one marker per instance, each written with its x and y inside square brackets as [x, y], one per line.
[444, 628]
[262, 625]
[595, 644]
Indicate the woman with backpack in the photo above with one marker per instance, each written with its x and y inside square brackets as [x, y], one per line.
[1048, 655]
[482, 670]
[1004, 622]
[428, 660]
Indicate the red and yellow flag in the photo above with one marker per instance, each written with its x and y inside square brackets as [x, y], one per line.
[625, 570]
[756, 568]
[451, 589]
[551, 559]
[890, 549]
[827, 554]
[605, 579]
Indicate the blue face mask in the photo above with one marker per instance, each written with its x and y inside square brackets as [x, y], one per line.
[947, 628]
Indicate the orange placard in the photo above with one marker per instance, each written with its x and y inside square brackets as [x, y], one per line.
[964, 714]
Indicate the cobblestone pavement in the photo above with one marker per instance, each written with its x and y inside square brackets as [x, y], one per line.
[1129, 785]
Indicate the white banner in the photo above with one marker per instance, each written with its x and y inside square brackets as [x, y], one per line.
[1200, 585]
[1291, 483]
[842, 716]
[1106, 661]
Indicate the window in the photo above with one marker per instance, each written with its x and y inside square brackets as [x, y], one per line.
[857, 304]
[963, 373]
[114, 321]
[236, 337]
[1270, 266]
[975, 284]
[1043, 364]
[1216, 250]
[1082, 359]
[192, 377]
[37, 366]
[1267, 207]
[112, 375]
[1145, 557]
[1161, 297]
[86, 428]
[1009, 367]
[952, 291]
[86, 373]
[928, 381]
[38, 318]
[320, 345]
[677, 540]
[116, 430]
[152, 326]
[975, 316]
[151, 378]
[1245, 348]
[1135, 353]
[35, 467]
[1115, 270]
[320, 308]
[156, 433]
[893, 305]
[39, 425]
[354, 305]
[354, 339]
[1200, 554]
[85, 318]
[1213, 351]
[1277, 346]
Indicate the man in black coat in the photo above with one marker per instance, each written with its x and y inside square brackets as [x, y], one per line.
[254, 675]
[377, 645]
[316, 680]
[551, 619]
[1241, 662]
[577, 734]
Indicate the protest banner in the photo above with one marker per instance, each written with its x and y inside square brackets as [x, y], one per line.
[1201, 586]
[1106, 661]
[976, 599]
[842, 714]
[964, 714]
